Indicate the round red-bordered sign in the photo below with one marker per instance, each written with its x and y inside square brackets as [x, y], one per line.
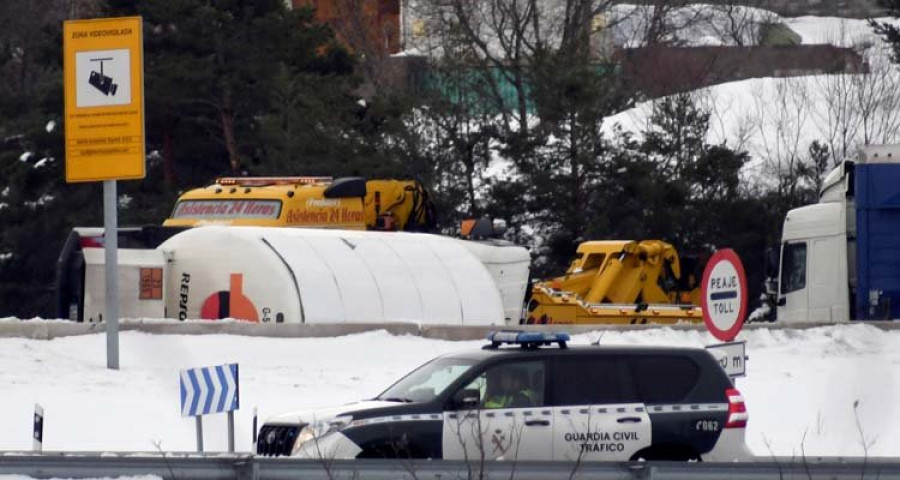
[723, 295]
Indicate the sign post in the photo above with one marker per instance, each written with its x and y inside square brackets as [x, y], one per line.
[724, 302]
[208, 390]
[104, 104]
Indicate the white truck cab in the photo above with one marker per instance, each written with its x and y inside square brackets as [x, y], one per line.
[819, 278]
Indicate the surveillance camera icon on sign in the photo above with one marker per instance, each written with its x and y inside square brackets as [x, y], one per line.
[100, 81]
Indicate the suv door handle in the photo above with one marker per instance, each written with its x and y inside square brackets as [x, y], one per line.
[629, 420]
[537, 423]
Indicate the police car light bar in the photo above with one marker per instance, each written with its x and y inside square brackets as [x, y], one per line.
[526, 339]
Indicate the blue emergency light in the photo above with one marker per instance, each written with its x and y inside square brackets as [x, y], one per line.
[526, 339]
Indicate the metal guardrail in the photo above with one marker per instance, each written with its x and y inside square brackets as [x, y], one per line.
[230, 466]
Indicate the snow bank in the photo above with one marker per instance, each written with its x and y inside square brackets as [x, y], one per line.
[801, 385]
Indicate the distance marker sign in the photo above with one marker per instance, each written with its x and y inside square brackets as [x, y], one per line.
[724, 295]
[104, 80]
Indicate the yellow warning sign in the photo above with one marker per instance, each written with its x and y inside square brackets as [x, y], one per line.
[104, 86]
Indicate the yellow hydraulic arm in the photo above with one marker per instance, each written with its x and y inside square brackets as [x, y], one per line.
[617, 281]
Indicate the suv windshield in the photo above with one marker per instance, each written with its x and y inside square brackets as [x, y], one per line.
[428, 381]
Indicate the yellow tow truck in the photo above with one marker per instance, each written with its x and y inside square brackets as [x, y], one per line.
[618, 282]
[350, 203]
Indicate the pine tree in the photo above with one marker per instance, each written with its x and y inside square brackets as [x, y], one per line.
[36, 205]
[209, 74]
[890, 32]
[214, 73]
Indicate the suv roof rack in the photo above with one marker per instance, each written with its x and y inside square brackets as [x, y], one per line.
[526, 339]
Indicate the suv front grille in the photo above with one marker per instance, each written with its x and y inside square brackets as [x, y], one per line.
[276, 440]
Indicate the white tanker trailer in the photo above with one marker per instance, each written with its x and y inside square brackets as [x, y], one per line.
[295, 275]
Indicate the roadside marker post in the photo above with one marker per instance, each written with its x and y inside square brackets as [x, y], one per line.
[723, 299]
[37, 435]
[255, 412]
[207, 390]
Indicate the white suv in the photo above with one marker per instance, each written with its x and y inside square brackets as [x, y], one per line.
[583, 403]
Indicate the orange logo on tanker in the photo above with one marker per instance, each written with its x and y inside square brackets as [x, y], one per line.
[231, 303]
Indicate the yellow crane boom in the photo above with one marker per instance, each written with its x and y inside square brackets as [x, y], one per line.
[618, 282]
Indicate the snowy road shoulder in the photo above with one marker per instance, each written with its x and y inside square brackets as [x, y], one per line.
[823, 391]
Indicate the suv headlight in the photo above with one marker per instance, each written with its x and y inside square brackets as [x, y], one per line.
[318, 429]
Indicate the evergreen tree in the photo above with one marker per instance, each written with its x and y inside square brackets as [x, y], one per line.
[35, 203]
[562, 164]
[210, 70]
[890, 32]
[224, 78]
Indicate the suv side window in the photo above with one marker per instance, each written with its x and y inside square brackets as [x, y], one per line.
[587, 380]
[511, 385]
[663, 378]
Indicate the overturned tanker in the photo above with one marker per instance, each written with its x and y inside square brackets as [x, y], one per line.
[294, 275]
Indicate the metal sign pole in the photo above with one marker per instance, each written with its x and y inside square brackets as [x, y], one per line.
[231, 431]
[199, 433]
[111, 245]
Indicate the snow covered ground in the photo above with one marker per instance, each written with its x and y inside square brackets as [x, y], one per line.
[776, 119]
[801, 386]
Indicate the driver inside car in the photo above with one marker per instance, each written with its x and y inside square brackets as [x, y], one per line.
[507, 388]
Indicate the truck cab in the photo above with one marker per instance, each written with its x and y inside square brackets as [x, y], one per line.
[349, 203]
[840, 258]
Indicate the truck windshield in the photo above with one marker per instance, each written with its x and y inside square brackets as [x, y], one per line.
[428, 381]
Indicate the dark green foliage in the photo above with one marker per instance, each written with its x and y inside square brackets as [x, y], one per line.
[889, 32]
[210, 72]
[220, 75]
[235, 86]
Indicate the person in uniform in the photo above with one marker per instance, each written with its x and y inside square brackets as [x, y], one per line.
[508, 389]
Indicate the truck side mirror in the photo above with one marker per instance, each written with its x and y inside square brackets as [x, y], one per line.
[771, 285]
[772, 261]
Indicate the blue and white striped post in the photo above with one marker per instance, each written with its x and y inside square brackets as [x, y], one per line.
[208, 390]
